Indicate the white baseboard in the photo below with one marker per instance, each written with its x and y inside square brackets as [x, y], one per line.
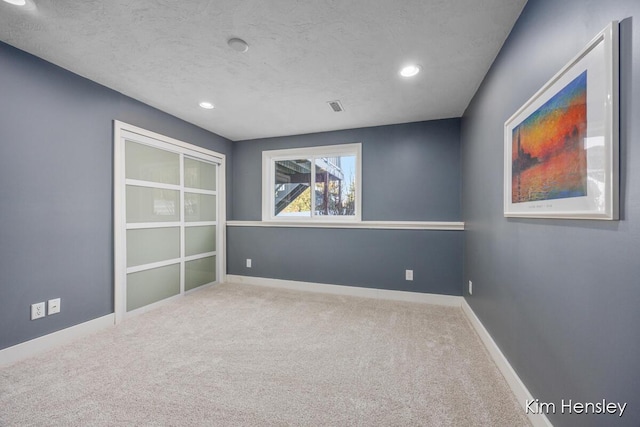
[515, 383]
[447, 300]
[38, 345]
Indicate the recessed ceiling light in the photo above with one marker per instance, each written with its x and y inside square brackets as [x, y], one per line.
[238, 44]
[410, 70]
[207, 105]
[27, 5]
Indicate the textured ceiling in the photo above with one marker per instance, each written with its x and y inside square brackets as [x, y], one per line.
[173, 54]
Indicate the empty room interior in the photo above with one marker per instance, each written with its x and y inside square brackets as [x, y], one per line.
[279, 212]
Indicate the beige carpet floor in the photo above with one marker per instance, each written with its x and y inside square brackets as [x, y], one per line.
[238, 355]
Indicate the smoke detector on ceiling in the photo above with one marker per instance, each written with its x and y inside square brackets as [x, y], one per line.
[238, 45]
[335, 106]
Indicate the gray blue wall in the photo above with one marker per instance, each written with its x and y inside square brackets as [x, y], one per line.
[56, 191]
[411, 172]
[560, 297]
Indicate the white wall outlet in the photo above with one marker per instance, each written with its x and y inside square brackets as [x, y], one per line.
[408, 275]
[53, 306]
[248, 262]
[470, 287]
[37, 311]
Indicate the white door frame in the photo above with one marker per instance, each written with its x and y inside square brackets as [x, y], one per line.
[120, 131]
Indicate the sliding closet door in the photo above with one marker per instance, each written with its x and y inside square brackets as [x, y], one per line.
[153, 200]
[169, 238]
[200, 226]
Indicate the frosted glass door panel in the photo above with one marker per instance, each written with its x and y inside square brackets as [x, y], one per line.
[199, 207]
[199, 174]
[149, 286]
[149, 245]
[199, 240]
[151, 164]
[199, 272]
[152, 204]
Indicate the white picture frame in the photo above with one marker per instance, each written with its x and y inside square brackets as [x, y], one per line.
[561, 147]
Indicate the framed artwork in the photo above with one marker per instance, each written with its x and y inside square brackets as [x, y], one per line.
[561, 146]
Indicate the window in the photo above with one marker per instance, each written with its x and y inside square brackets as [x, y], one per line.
[312, 184]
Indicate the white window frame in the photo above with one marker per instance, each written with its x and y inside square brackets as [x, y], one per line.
[269, 157]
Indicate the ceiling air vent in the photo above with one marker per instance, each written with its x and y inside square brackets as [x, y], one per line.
[335, 106]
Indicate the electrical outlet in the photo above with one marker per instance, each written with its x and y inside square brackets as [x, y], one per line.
[54, 306]
[248, 262]
[470, 287]
[408, 275]
[37, 311]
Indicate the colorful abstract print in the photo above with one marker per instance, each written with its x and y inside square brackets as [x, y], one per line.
[549, 160]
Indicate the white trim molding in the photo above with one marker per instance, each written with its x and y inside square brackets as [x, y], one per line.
[381, 225]
[436, 299]
[515, 383]
[122, 126]
[41, 344]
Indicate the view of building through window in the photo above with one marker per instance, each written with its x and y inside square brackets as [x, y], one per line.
[333, 181]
